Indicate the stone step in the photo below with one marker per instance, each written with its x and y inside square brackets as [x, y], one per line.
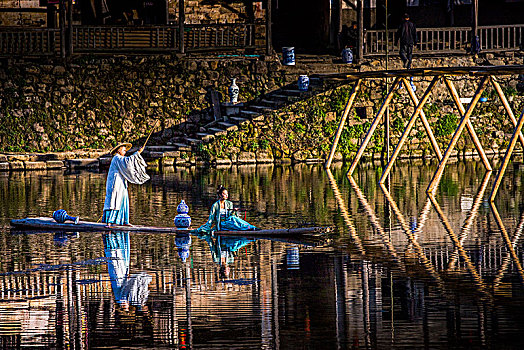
[228, 126]
[281, 97]
[218, 132]
[261, 109]
[160, 148]
[292, 92]
[205, 136]
[192, 140]
[181, 146]
[239, 120]
[272, 103]
[249, 114]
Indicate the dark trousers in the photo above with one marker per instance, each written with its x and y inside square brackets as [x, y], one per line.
[406, 54]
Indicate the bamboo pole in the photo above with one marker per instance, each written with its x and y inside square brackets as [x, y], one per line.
[345, 213]
[418, 111]
[456, 135]
[469, 126]
[471, 217]
[373, 126]
[430, 269]
[507, 107]
[462, 252]
[376, 224]
[510, 245]
[507, 157]
[349, 105]
[425, 122]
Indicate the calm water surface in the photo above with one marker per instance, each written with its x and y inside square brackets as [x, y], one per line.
[400, 270]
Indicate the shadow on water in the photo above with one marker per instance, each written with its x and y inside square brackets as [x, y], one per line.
[400, 270]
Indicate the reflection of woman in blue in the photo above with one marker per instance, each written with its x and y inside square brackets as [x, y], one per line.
[127, 289]
[223, 217]
[223, 249]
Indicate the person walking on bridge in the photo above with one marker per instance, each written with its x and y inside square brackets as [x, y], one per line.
[407, 34]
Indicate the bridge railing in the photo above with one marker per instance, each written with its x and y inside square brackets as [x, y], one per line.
[449, 40]
[197, 37]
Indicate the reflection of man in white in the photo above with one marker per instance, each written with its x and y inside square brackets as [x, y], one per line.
[122, 170]
[127, 289]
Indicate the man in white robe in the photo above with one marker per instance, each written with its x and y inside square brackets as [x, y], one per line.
[121, 171]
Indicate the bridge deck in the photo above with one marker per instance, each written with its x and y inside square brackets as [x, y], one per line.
[430, 71]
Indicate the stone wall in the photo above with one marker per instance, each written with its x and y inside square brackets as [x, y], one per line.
[97, 102]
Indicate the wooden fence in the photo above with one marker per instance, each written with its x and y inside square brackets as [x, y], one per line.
[449, 40]
[114, 39]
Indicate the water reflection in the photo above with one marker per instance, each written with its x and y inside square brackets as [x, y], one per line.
[401, 269]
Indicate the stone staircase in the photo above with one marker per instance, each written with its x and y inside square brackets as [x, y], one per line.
[257, 109]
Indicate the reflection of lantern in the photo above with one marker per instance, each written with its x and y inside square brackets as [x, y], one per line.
[183, 242]
[292, 258]
[182, 220]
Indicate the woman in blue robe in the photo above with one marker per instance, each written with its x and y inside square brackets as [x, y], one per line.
[223, 217]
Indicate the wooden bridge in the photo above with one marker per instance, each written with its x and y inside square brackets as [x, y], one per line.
[486, 74]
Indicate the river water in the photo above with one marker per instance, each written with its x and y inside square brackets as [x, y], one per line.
[399, 270]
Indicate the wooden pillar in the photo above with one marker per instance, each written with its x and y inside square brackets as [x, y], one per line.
[69, 28]
[269, 23]
[349, 105]
[181, 20]
[474, 17]
[360, 49]
[61, 23]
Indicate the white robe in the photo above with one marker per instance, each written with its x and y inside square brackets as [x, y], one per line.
[122, 170]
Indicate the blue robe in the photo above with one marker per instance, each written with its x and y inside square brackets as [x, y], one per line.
[228, 222]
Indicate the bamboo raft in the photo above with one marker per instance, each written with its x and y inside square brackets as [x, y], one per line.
[43, 223]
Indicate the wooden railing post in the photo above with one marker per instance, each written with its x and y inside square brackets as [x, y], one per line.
[181, 21]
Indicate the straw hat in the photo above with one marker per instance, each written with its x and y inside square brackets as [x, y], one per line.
[126, 144]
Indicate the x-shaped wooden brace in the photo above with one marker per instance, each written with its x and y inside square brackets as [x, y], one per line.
[516, 134]
[458, 132]
[416, 113]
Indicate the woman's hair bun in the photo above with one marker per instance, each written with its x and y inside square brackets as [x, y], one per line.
[220, 189]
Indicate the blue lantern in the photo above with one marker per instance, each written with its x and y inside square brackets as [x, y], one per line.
[61, 216]
[347, 55]
[288, 56]
[303, 83]
[182, 220]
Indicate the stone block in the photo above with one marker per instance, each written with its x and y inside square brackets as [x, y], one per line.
[246, 157]
[225, 161]
[54, 164]
[35, 165]
[180, 161]
[264, 157]
[82, 163]
[4, 166]
[16, 165]
[3, 158]
[167, 161]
